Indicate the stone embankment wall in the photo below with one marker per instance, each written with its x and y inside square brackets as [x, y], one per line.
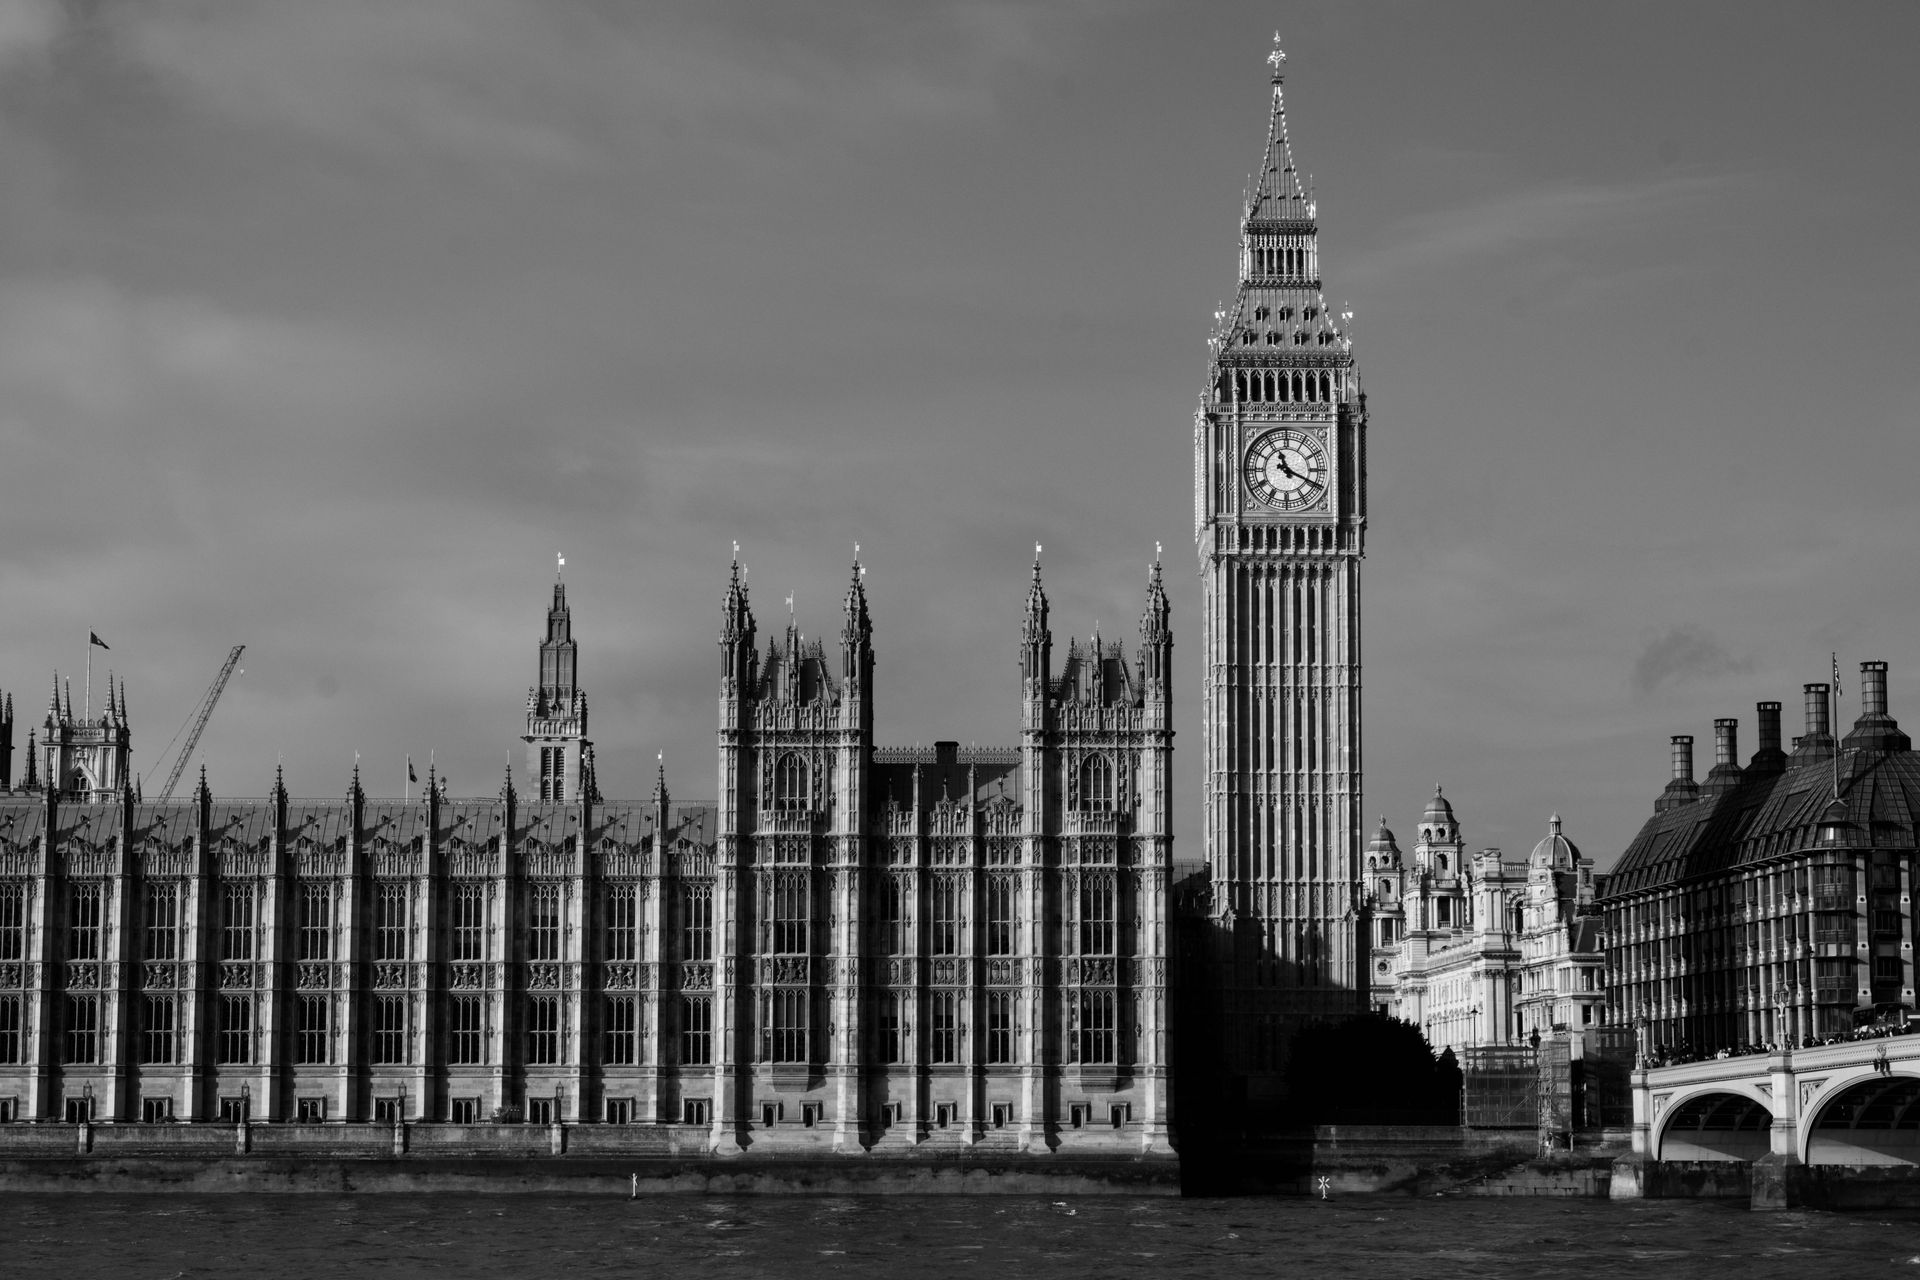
[597, 1159]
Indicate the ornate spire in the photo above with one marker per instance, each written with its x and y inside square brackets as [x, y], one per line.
[1036, 641]
[1036, 619]
[859, 626]
[1153, 623]
[736, 612]
[559, 656]
[1277, 194]
[32, 781]
[660, 781]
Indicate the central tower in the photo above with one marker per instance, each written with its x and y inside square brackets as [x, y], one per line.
[1280, 517]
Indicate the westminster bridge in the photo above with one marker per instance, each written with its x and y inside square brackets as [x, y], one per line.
[1794, 1117]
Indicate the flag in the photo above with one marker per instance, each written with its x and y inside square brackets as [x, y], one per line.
[94, 638]
[1836, 675]
[411, 775]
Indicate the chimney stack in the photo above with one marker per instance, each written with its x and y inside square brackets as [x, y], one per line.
[1873, 689]
[1768, 759]
[1817, 742]
[1875, 730]
[1725, 774]
[1681, 788]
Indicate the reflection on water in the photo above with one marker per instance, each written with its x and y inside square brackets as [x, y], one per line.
[169, 1237]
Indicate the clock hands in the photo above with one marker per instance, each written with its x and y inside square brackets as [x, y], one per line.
[1286, 470]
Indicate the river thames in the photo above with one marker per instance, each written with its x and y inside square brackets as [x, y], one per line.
[178, 1237]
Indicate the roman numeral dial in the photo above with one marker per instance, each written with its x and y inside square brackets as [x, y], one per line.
[1286, 470]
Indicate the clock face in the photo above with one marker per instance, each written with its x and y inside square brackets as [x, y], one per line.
[1287, 469]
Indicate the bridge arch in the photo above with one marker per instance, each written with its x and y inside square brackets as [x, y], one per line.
[1864, 1117]
[1723, 1120]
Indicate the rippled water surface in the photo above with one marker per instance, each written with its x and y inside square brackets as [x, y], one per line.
[169, 1237]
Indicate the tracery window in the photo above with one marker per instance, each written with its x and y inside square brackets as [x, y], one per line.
[1000, 1008]
[83, 921]
[163, 922]
[157, 1030]
[236, 1030]
[1096, 913]
[543, 1030]
[783, 1025]
[696, 922]
[236, 921]
[623, 922]
[1000, 909]
[895, 935]
[1096, 784]
[623, 1031]
[13, 922]
[543, 922]
[943, 1040]
[1091, 1037]
[390, 922]
[893, 1026]
[83, 1029]
[10, 1037]
[790, 792]
[696, 1031]
[316, 922]
[389, 1030]
[946, 915]
[467, 1047]
[469, 922]
[311, 1036]
[784, 913]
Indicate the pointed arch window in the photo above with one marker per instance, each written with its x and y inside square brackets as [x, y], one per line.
[1096, 784]
[790, 791]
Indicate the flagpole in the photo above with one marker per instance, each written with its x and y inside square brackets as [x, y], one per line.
[86, 699]
[1836, 725]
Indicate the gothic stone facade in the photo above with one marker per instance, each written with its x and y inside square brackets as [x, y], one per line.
[855, 947]
[1280, 521]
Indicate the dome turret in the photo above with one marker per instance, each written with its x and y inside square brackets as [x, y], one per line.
[1556, 852]
[1382, 851]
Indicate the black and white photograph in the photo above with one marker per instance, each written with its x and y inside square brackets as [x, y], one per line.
[1158, 638]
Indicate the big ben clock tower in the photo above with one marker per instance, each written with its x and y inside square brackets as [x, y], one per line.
[1280, 518]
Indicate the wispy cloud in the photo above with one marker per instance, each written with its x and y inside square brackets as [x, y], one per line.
[1523, 221]
[570, 84]
[1680, 654]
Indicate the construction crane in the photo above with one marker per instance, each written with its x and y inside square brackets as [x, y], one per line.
[200, 718]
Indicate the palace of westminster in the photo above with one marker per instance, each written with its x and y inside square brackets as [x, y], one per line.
[856, 947]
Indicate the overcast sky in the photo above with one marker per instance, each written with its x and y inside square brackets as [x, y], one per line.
[325, 326]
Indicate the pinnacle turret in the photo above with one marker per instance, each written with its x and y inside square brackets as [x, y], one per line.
[1036, 641]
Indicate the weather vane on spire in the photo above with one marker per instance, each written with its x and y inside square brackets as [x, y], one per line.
[1279, 55]
[560, 560]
